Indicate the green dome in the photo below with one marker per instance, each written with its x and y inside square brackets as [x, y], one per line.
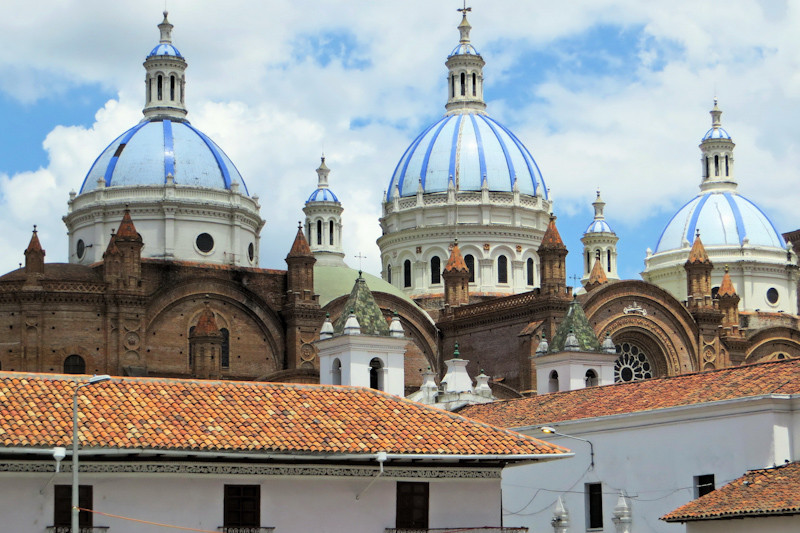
[331, 282]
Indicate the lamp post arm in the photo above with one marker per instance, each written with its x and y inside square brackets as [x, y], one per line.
[591, 446]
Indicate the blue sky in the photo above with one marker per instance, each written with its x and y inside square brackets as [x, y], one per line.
[604, 93]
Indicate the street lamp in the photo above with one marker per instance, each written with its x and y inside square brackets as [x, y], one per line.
[92, 381]
[548, 429]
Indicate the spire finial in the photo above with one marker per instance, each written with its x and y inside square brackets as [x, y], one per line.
[299, 225]
[716, 114]
[166, 29]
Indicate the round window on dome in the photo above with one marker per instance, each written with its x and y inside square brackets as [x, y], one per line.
[204, 242]
[772, 295]
[251, 251]
[80, 248]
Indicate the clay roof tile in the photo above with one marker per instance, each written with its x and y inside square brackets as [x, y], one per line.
[456, 261]
[698, 253]
[551, 238]
[300, 247]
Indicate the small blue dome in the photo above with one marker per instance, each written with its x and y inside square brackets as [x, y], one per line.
[464, 48]
[723, 218]
[716, 133]
[322, 195]
[164, 49]
[599, 226]
[464, 148]
[148, 152]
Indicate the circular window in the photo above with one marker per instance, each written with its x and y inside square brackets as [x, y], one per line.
[204, 242]
[772, 295]
[251, 251]
[80, 249]
[632, 364]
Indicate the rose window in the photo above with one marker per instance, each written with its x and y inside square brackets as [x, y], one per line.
[632, 364]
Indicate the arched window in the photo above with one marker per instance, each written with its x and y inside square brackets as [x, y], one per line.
[452, 86]
[225, 356]
[336, 372]
[308, 232]
[588, 262]
[319, 232]
[706, 174]
[608, 257]
[529, 270]
[502, 269]
[389, 273]
[436, 270]
[716, 165]
[330, 231]
[463, 84]
[552, 384]
[172, 87]
[469, 260]
[149, 90]
[160, 85]
[590, 378]
[597, 255]
[191, 351]
[406, 273]
[74, 364]
[474, 84]
[376, 374]
[726, 166]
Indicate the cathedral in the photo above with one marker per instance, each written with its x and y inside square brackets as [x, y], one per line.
[163, 276]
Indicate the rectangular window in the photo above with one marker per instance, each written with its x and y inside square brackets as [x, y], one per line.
[703, 485]
[242, 506]
[62, 505]
[594, 505]
[412, 505]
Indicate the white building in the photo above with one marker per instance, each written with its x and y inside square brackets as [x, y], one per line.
[247, 457]
[736, 234]
[188, 199]
[468, 177]
[662, 442]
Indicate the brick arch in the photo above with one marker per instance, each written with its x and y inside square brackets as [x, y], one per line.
[249, 304]
[767, 343]
[642, 312]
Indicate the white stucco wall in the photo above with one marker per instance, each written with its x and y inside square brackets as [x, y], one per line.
[288, 503]
[653, 458]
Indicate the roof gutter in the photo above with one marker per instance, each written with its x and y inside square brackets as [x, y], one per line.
[444, 458]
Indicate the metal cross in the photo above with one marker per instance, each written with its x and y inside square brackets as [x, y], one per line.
[360, 256]
[465, 9]
[575, 278]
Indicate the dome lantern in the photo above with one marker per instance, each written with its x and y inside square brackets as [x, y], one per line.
[465, 76]
[717, 158]
[165, 81]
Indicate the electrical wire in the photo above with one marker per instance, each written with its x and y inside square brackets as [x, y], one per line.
[145, 521]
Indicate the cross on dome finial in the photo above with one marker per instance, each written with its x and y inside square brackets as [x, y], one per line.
[464, 27]
[716, 114]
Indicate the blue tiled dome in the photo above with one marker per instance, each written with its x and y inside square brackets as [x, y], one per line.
[599, 226]
[465, 148]
[148, 152]
[322, 195]
[464, 48]
[164, 49]
[716, 133]
[723, 218]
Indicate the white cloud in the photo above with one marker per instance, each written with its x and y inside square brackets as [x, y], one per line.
[634, 131]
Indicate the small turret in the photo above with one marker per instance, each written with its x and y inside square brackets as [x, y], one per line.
[698, 276]
[205, 346]
[122, 260]
[165, 81]
[552, 259]
[300, 262]
[34, 257]
[456, 278]
[465, 77]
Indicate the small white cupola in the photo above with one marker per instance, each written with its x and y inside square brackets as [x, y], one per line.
[599, 246]
[717, 156]
[465, 73]
[323, 212]
[360, 348]
[165, 79]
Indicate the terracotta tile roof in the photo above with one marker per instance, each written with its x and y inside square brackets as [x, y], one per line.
[779, 377]
[127, 231]
[196, 415]
[300, 247]
[456, 261]
[698, 253]
[766, 492]
[726, 287]
[551, 237]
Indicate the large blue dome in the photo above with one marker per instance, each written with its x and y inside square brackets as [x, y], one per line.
[723, 218]
[148, 152]
[464, 148]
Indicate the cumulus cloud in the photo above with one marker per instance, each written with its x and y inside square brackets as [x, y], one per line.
[276, 85]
